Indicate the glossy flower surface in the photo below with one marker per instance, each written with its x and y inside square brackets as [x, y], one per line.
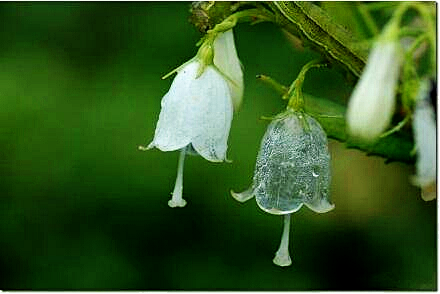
[372, 102]
[292, 168]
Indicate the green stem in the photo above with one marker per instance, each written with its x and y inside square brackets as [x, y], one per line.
[411, 32]
[369, 21]
[248, 15]
[373, 6]
[431, 32]
[295, 95]
[397, 128]
[392, 28]
[415, 45]
[280, 89]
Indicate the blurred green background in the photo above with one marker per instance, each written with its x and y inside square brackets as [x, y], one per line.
[82, 208]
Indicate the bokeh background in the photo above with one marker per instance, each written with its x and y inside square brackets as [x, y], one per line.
[82, 209]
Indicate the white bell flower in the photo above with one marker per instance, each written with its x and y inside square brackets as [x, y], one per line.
[292, 170]
[425, 136]
[372, 102]
[195, 115]
[226, 60]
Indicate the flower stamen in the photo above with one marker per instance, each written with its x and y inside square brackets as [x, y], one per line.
[282, 256]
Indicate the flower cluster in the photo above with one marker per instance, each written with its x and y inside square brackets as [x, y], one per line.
[373, 101]
[293, 164]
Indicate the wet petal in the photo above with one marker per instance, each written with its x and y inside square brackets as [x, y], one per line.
[320, 205]
[243, 196]
[293, 166]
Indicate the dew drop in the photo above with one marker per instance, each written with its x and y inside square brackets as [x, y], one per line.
[315, 171]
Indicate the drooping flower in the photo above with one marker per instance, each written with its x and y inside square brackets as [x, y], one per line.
[195, 116]
[292, 170]
[425, 135]
[226, 60]
[372, 102]
[195, 111]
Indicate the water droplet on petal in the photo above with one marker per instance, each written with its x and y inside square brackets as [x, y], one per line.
[293, 165]
[315, 171]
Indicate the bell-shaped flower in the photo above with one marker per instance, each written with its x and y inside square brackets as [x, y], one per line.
[195, 116]
[372, 102]
[292, 170]
[425, 137]
[226, 60]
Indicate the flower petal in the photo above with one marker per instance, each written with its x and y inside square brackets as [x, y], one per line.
[212, 121]
[226, 60]
[320, 205]
[293, 166]
[243, 196]
[174, 129]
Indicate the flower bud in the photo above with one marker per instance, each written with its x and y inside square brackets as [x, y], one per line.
[372, 102]
[425, 137]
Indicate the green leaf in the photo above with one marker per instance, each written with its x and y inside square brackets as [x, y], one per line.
[318, 29]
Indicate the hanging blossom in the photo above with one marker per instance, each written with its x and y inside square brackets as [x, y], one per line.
[425, 137]
[372, 102]
[292, 170]
[196, 112]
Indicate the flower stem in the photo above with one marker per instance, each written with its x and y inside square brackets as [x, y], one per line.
[254, 15]
[281, 89]
[295, 96]
[282, 257]
[176, 199]
[368, 19]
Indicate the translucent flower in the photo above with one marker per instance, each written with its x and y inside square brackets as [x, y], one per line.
[372, 102]
[195, 116]
[226, 60]
[292, 170]
[425, 135]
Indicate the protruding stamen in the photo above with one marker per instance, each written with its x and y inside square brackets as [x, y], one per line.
[176, 199]
[282, 257]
